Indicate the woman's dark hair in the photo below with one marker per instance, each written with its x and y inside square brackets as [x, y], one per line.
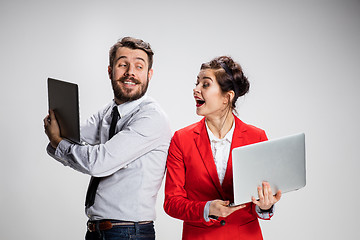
[132, 43]
[229, 75]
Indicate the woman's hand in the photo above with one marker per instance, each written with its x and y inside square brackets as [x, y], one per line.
[221, 208]
[266, 197]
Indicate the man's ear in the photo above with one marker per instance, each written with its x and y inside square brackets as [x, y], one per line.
[110, 72]
[150, 74]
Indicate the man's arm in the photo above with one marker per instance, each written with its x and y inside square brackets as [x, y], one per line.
[146, 130]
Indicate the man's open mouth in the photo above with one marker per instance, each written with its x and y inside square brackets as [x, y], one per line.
[130, 81]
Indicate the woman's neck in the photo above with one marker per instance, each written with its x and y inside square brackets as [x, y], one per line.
[220, 125]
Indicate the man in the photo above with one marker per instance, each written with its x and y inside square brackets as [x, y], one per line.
[127, 166]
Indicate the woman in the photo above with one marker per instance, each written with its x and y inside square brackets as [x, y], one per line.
[199, 184]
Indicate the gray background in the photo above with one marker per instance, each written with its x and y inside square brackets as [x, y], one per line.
[302, 58]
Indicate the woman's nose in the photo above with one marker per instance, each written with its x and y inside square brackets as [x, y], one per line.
[196, 90]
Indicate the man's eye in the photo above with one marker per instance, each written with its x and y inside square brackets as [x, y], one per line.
[139, 67]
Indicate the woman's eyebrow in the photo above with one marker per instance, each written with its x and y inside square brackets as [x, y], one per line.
[205, 77]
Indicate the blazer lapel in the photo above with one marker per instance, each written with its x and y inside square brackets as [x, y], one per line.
[237, 141]
[203, 145]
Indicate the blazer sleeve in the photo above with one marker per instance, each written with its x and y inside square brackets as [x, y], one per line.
[176, 202]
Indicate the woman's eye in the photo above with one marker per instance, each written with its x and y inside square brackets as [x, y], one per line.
[204, 85]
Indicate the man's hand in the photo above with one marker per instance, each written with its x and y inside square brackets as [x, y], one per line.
[52, 129]
[266, 197]
[221, 208]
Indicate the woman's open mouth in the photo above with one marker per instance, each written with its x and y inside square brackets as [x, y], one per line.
[199, 102]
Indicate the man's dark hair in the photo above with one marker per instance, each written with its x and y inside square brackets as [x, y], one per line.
[132, 43]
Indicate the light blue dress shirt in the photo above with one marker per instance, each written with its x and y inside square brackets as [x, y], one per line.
[131, 164]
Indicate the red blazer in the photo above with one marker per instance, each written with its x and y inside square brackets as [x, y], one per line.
[192, 180]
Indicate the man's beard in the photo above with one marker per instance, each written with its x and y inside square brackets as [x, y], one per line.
[125, 95]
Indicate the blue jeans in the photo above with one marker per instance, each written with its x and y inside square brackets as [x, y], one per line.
[134, 232]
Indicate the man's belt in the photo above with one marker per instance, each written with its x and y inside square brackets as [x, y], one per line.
[106, 225]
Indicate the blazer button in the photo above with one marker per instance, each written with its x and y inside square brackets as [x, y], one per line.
[222, 222]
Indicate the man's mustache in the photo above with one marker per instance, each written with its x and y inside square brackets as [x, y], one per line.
[132, 79]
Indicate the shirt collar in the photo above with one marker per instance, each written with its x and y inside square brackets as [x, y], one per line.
[127, 107]
[228, 136]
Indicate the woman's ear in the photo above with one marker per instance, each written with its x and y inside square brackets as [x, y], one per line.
[230, 96]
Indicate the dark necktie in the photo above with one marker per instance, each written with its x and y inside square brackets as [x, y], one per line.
[94, 181]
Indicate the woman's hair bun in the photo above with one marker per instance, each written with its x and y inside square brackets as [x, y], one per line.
[229, 75]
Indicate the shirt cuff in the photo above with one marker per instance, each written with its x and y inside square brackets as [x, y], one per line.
[54, 153]
[207, 211]
[265, 214]
[62, 147]
[50, 150]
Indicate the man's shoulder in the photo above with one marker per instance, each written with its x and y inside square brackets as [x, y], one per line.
[148, 102]
[151, 118]
[150, 111]
[151, 105]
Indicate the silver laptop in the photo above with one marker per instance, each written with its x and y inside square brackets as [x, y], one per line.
[281, 162]
[64, 100]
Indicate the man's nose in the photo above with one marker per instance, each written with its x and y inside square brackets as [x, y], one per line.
[130, 70]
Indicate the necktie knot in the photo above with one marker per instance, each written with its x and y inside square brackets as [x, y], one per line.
[115, 112]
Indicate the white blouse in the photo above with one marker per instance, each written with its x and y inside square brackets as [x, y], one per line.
[221, 150]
